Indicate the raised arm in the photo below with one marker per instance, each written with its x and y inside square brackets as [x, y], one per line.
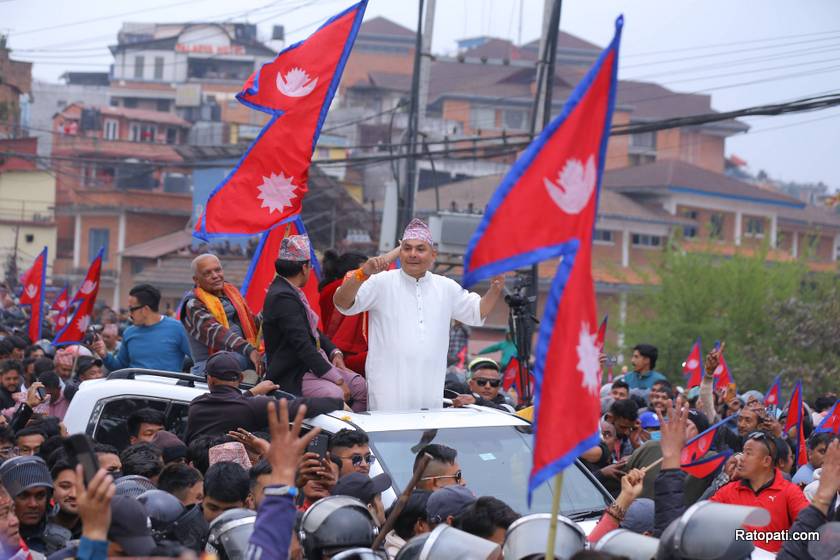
[345, 295]
[491, 298]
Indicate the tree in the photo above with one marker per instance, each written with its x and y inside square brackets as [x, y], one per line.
[775, 317]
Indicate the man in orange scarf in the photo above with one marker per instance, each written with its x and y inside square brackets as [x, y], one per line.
[217, 318]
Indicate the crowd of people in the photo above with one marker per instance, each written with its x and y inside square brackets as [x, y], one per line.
[242, 480]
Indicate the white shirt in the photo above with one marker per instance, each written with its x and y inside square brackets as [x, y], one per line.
[408, 336]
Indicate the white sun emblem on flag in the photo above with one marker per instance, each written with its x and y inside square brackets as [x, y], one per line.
[692, 364]
[62, 320]
[588, 359]
[277, 192]
[83, 322]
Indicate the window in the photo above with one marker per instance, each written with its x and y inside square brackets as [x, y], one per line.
[110, 418]
[112, 129]
[603, 236]
[716, 226]
[646, 140]
[143, 132]
[488, 455]
[641, 159]
[514, 119]
[482, 117]
[171, 135]
[158, 68]
[163, 105]
[755, 227]
[98, 239]
[689, 232]
[139, 63]
[61, 104]
[643, 240]
[130, 103]
[30, 238]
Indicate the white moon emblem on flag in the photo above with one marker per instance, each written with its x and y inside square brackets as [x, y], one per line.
[296, 83]
[588, 359]
[88, 287]
[31, 290]
[576, 183]
[692, 364]
[62, 319]
[277, 192]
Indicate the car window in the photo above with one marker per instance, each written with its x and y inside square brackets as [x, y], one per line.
[111, 426]
[495, 461]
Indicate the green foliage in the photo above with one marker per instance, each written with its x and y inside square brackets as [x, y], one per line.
[775, 318]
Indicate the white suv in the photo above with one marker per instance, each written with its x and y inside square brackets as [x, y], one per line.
[494, 448]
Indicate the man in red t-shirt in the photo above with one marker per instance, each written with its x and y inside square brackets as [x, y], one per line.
[762, 485]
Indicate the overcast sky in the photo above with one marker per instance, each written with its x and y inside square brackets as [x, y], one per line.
[786, 49]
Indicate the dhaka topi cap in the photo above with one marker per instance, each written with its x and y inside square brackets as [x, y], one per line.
[417, 229]
[294, 248]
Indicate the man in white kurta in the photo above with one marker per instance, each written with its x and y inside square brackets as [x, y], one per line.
[410, 310]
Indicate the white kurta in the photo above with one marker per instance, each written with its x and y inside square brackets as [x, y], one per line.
[408, 336]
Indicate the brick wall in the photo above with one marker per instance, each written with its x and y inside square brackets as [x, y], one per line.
[361, 62]
[704, 218]
[702, 150]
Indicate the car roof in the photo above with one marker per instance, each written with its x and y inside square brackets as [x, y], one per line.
[156, 386]
[439, 418]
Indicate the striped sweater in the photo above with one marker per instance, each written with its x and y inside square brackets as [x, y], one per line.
[203, 328]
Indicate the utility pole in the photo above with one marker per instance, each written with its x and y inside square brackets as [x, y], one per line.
[417, 109]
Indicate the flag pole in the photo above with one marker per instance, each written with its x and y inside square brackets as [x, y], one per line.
[555, 511]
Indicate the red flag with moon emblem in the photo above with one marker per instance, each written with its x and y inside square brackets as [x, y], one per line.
[694, 459]
[693, 366]
[34, 284]
[296, 89]
[555, 183]
[84, 300]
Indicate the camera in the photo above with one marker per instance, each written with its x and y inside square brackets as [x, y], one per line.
[90, 334]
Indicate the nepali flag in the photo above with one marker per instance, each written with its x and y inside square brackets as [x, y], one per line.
[831, 422]
[296, 89]
[511, 374]
[693, 366]
[774, 394]
[261, 272]
[78, 322]
[62, 301]
[723, 377]
[555, 182]
[794, 419]
[34, 288]
[693, 459]
[600, 341]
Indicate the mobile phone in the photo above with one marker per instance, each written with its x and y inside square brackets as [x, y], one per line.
[42, 394]
[318, 445]
[80, 452]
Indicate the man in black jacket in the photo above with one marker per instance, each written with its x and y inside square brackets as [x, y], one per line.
[301, 359]
[225, 408]
[11, 374]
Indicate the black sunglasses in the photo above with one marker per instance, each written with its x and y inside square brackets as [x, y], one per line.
[357, 459]
[457, 476]
[762, 437]
[135, 308]
[482, 381]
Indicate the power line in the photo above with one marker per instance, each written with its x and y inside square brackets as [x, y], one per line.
[164, 6]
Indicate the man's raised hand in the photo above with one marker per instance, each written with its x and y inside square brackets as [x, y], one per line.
[672, 433]
[287, 446]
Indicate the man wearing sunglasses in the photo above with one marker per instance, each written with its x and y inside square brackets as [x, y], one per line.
[350, 450]
[485, 383]
[762, 485]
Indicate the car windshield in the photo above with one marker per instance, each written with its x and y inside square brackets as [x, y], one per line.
[495, 461]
